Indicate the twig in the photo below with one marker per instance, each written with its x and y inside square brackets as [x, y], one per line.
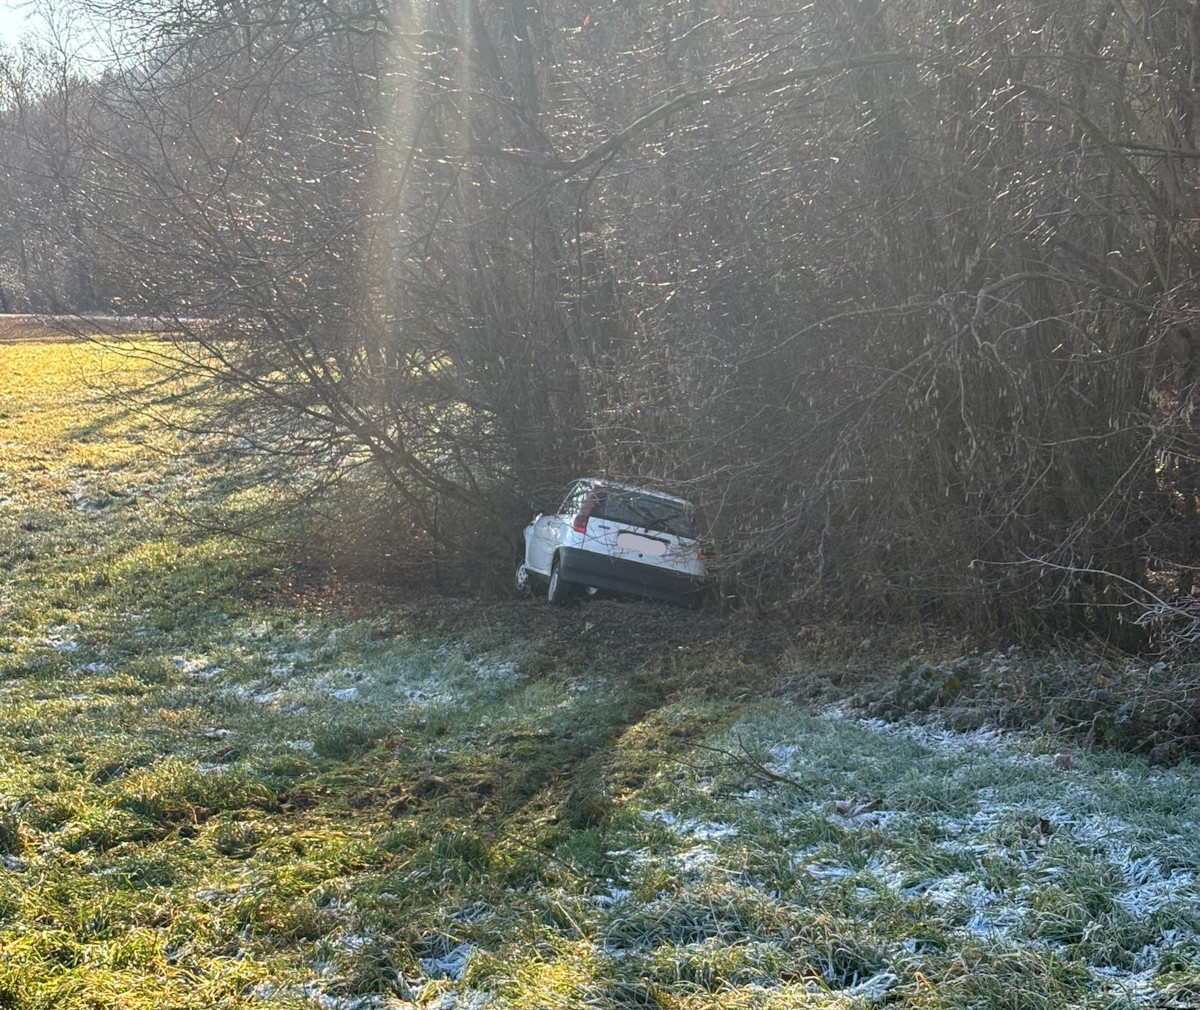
[745, 758]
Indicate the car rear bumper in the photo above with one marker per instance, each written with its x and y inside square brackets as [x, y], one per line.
[623, 576]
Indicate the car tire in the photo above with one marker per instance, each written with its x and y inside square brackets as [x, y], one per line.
[558, 591]
[522, 577]
[521, 582]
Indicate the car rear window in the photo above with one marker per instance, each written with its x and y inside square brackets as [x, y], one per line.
[646, 511]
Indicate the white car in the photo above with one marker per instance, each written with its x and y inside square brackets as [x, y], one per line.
[614, 537]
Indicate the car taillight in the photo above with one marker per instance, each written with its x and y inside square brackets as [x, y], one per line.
[581, 520]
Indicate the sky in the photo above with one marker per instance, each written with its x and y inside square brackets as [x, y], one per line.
[12, 22]
[18, 19]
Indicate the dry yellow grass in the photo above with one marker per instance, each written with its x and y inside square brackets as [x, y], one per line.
[57, 411]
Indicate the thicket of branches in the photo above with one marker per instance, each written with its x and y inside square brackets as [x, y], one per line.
[903, 292]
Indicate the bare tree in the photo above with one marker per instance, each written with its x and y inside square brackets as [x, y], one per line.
[902, 291]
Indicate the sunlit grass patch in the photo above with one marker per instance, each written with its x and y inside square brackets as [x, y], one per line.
[553, 970]
[172, 793]
[55, 407]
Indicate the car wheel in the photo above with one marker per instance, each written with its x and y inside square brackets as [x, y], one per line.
[559, 590]
[522, 578]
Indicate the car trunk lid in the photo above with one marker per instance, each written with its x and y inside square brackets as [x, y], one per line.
[636, 526]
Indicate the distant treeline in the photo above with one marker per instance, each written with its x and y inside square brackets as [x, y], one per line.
[904, 293]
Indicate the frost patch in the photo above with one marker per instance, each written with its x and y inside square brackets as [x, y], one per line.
[503, 670]
[484, 667]
[941, 892]
[354, 942]
[256, 695]
[705, 831]
[194, 665]
[987, 914]
[698, 857]
[451, 965]
[1147, 898]
[988, 921]
[478, 911]
[848, 814]
[879, 869]
[304, 746]
[1136, 987]
[986, 743]
[874, 988]
[468, 999]
[614, 896]
[421, 695]
[59, 637]
[826, 871]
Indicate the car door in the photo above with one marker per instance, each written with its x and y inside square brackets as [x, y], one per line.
[547, 531]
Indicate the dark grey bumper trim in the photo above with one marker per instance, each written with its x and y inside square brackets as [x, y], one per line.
[623, 576]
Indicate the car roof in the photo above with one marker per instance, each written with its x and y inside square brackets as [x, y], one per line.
[638, 490]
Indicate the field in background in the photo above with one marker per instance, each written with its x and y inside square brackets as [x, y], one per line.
[222, 785]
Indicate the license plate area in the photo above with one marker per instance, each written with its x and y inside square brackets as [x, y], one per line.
[643, 545]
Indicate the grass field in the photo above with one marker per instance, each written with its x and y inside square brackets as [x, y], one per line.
[223, 784]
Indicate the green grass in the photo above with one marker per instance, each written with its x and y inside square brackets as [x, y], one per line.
[218, 791]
